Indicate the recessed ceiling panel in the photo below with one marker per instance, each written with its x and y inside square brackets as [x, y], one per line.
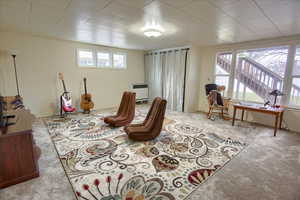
[121, 23]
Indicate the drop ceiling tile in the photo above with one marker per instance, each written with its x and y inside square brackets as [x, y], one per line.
[176, 3]
[113, 27]
[164, 13]
[25, 4]
[123, 11]
[46, 15]
[69, 24]
[280, 10]
[89, 4]
[14, 16]
[243, 10]
[76, 15]
[53, 3]
[274, 3]
[205, 11]
[295, 30]
[224, 2]
[73, 20]
[258, 25]
[107, 18]
[285, 14]
[84, 9]
[119, 22]
[134, 3]
[204, 39]
[224, 22]
[289, 27]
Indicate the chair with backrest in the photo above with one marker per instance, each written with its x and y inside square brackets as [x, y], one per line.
[216, 102]
[125, 112]
[152, 125]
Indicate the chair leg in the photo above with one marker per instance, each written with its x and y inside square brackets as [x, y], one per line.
[209, 112]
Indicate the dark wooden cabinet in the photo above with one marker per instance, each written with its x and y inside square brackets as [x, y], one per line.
[18, 158]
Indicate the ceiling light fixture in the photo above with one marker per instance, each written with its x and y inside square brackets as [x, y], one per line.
[151, 32]
[152, 29]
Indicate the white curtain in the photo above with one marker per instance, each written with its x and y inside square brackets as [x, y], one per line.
[153, 69]
[173, 79]
[165, 73]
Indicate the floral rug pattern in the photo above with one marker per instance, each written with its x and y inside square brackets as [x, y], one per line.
[103, 164]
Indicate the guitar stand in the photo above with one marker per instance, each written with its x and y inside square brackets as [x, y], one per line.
[62, 112]
[61, 106]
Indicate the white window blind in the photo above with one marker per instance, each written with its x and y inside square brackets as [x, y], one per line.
[103, 59]
[119, 61]
[85, 58]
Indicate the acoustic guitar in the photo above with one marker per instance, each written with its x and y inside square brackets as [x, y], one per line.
[86, 103]
[66, 99]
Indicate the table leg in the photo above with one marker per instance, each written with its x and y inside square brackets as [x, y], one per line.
[276, 124]
[233, 117]
[243, 111]
[222, 113]
[280, 121]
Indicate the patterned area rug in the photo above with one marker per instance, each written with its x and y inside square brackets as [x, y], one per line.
[103, 164]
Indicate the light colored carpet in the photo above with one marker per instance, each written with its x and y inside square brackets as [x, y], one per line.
[102, 163]
[267, 169]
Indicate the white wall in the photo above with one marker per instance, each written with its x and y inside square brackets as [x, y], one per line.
[39, 59]
[207, 63]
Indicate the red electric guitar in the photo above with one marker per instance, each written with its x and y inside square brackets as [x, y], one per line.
[66, 99]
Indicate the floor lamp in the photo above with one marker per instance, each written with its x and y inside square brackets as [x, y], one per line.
[18, 102]
[16, 74]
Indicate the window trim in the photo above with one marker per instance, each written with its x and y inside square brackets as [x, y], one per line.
[78, 58]
[216, 62]
[224, 75]
[113, 64]
[292, 76]
[110, 59]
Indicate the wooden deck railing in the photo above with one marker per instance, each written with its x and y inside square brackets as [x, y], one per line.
[256, 76]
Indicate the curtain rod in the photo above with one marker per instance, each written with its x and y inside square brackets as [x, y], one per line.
[166, 51]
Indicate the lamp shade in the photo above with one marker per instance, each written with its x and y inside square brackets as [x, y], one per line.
[276, 93]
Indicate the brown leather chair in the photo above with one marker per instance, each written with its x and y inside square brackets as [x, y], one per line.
[152, 125]
[125, 113]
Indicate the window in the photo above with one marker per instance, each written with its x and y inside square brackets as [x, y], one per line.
[222, 70]
[295, 89]
[258, 72]
[119, 61]
[85, 58]
[103, 59]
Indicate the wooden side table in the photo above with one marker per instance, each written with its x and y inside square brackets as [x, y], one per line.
[18, 160]
[277, 112]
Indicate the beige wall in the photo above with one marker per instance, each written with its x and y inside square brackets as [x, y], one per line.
[39, 59]
[207, 64]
